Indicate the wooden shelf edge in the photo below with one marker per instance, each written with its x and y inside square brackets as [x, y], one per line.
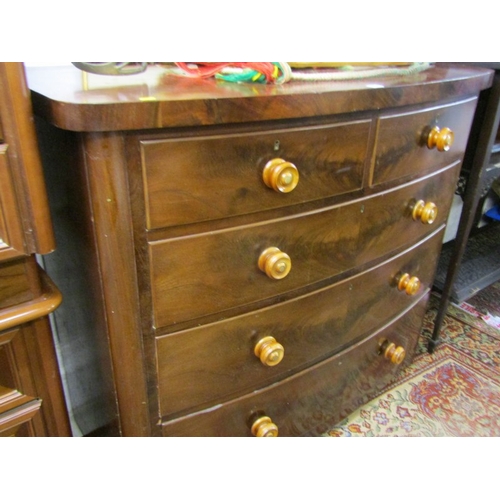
[39, 307]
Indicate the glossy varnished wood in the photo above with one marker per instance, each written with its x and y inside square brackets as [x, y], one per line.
[194, 276]
[28, 363]
[153, 101]
[309, 402]
[12, 242]
[39, 306]
[15, 286]
[401, 149]
[109, 204]
[190, 179]
[392, 224]
[20, 138]
[204, 365]
[16, 412]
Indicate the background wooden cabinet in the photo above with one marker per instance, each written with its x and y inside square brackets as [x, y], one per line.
[31, 396]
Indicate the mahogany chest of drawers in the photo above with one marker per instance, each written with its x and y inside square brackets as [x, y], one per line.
[254, 259]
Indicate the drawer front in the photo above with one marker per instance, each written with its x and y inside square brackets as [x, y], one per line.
[14, 283]
[196, 276]
[204, 178]
[315, 399]
[388, 219]
[16, 409]
[401, 148]
[11, 231]
[205, 365]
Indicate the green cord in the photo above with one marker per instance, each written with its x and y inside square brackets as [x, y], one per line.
[245, 76]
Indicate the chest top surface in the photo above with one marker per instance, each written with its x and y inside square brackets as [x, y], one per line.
[72, 100]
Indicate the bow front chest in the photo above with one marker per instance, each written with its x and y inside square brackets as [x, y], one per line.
[247, 260]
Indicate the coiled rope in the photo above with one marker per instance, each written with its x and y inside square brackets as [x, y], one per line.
[282, 72]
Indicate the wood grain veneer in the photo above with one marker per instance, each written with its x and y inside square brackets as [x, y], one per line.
[203, 178]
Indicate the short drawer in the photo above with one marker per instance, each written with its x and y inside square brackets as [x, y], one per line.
[401, 147]
[209, 273]
[193, 179]
[205, 365]
[311, 401]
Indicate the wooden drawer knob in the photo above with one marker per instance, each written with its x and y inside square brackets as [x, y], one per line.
[441, 139]
[275, 263]
[280, 175]
[408, 284]
[264, 427]
[269, 351]
[425, 212]
[395, 354]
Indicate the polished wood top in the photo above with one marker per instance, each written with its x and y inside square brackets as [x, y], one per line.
[73, 100]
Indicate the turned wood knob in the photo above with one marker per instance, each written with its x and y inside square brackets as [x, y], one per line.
[264, 427]
[275, 263]
[425, 212]
[269, 351]
[408, 284]
[280, 175]
[441, 139]
[395, 354]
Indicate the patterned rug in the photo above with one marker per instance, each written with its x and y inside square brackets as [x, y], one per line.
[453, 392]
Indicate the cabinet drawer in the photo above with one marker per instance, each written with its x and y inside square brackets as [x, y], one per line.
[195, 276]
[204, 365]
[11, 231]
[312, 400]
[16, 409]
[401, 148]
[15, 286]
[204, 178]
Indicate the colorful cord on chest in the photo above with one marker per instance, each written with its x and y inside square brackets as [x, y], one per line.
[262, 72]
[266, 72]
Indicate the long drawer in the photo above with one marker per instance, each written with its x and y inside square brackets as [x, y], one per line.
[201, 366]
[192, 179]
[402, 149]
[212, 272]
[313, 399]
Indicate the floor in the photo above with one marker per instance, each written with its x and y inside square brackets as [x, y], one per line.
[453, 392]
